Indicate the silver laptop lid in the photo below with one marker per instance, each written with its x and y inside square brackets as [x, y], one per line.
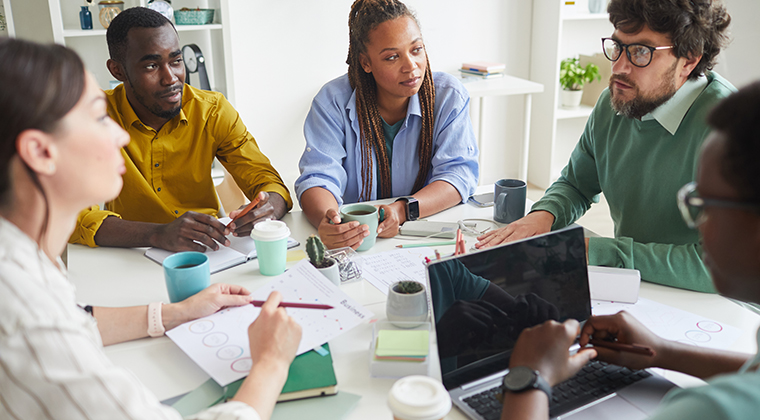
[483, 300]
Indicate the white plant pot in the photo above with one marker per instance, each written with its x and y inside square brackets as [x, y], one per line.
[332, 272]
[571, 98]
[411, 309]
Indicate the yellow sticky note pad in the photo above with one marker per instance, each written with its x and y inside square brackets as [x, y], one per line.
[296, 255]
[402, 343]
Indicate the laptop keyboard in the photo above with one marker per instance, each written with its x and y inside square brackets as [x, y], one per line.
[591, 383]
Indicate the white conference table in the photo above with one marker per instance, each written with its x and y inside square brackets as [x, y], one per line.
[124, 277]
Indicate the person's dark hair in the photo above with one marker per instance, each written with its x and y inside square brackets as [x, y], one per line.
[365, 16]
[134, 17]
[738, 118]
[40, 85]
[695, 27]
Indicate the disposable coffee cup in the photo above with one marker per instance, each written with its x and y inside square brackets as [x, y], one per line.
[418, 398]
[271, 237]
[365, 214]
[186, 273]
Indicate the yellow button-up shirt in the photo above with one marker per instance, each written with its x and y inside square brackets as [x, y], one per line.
[169, 171]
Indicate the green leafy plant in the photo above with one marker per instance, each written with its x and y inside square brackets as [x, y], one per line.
[408, 287]
[572, 76]
[316, 251]
[2, 21]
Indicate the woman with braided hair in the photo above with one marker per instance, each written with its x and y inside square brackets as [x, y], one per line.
[388, 128]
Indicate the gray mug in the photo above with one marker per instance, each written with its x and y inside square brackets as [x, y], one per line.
[509, 200]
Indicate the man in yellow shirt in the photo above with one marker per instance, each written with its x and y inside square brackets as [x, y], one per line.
[168, 199]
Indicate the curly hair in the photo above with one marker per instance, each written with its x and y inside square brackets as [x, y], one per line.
[738, 118]
[134, 17]
[365, 16]
[695, 27]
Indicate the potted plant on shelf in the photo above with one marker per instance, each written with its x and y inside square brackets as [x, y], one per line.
[406, 306]
[572, 77]
[329, 268]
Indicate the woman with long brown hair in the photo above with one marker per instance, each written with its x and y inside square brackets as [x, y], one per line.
[60, 152]
[388, 128]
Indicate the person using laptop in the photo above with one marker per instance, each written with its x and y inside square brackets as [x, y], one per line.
[389, 128]
[641, 141]
[724, 204]
[59, 151]
[169, 200]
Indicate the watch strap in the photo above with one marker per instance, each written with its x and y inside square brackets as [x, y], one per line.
[155, 323]
[538, 382]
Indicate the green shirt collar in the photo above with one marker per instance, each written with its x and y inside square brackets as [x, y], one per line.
[671, 113]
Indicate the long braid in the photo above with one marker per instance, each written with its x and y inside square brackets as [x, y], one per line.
[365, 16]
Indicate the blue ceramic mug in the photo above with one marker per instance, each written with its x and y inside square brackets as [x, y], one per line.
[186, 274]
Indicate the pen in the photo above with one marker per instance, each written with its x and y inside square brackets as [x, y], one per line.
[258, 303]
[631, 348]
[426, 244]
[248, 208]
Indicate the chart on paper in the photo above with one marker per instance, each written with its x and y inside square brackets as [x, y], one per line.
[219, 343]
[383, 269]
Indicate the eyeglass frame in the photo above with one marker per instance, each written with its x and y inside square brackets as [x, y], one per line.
[628, 52]
[686, 202]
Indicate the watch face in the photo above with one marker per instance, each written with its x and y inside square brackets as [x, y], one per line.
[519, 378]
[191, 62]
[162, 7]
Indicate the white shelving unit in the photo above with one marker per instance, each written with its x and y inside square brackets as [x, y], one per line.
[7, 11]
[554, 130]
[213, 39]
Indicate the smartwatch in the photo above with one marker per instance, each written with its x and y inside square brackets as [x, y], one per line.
[523, 378]
[412, 207]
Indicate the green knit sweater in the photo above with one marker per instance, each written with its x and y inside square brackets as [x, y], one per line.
[639, 166]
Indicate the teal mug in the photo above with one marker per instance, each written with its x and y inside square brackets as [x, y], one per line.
[186, 274]
[365, 214]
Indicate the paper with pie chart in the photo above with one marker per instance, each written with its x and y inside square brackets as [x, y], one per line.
[219, 343]
[674, 324]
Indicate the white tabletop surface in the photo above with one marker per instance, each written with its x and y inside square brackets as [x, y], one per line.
[124, 277]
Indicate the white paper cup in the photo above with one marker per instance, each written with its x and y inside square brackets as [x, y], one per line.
[418, 397]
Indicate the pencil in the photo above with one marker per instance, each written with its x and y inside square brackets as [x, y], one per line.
[258, 303]
[630, 348]
[248, 208]
[427, 244]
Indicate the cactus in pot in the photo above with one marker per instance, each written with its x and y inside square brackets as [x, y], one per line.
[315, 249]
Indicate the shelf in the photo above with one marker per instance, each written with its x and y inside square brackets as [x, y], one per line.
[580, 112]
[211, 26]
[75, 33]
[586, 16]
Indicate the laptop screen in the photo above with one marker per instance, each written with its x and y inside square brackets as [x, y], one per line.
[482, 301]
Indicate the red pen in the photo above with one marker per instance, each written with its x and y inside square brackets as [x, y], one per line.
[248, 208]
[258, 303]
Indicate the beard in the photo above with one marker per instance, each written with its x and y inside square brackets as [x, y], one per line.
[641, 104]
[154, 108]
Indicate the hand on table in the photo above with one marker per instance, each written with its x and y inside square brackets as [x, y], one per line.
[262, 211]
[545, 348]
[533, 224]
[274, 335]
[336, 235]
[182, 234]
[394, 216]
[204, 303]
[626, 329]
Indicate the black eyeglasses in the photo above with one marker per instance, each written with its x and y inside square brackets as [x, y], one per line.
[692, 206]
[639, 55]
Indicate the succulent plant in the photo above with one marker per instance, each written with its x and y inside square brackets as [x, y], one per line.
[408, 287]
[316, 251]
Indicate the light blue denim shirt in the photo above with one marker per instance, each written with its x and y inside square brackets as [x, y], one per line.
[332, 158]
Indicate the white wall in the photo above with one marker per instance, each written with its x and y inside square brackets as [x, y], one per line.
[740, 63]
[283, 52]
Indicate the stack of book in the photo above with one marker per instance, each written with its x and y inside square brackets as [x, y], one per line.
[483, 69]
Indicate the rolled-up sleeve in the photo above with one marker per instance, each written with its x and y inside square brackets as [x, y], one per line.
[88, 223]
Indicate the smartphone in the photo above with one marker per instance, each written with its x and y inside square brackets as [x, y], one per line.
[482, 200]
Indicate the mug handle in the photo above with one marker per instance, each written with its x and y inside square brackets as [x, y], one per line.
[500, 204]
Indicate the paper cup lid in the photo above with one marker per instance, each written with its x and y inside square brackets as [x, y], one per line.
[419, 398]
[270, 230]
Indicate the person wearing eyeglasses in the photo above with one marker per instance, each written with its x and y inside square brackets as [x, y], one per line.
[724, 204]
[640, 143]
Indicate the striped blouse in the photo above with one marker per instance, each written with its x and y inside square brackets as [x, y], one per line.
[52, 364]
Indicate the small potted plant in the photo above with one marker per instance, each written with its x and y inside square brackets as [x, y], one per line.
[572, 77]
[406, 306]
[329, 268]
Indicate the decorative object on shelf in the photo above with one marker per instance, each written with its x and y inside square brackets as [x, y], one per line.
[186, 16]
[572, 77]
[407, 304]
[162, 6]
[85, 16]
[597, 6]
[329, 268]
[195, 63]
[108, 10]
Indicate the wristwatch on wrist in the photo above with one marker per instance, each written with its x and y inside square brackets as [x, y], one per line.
[412, 207]
[523, 378]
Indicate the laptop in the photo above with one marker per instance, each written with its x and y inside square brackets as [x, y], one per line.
[483, 300]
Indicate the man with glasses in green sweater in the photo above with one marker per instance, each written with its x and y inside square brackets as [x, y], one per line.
[641, 142]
